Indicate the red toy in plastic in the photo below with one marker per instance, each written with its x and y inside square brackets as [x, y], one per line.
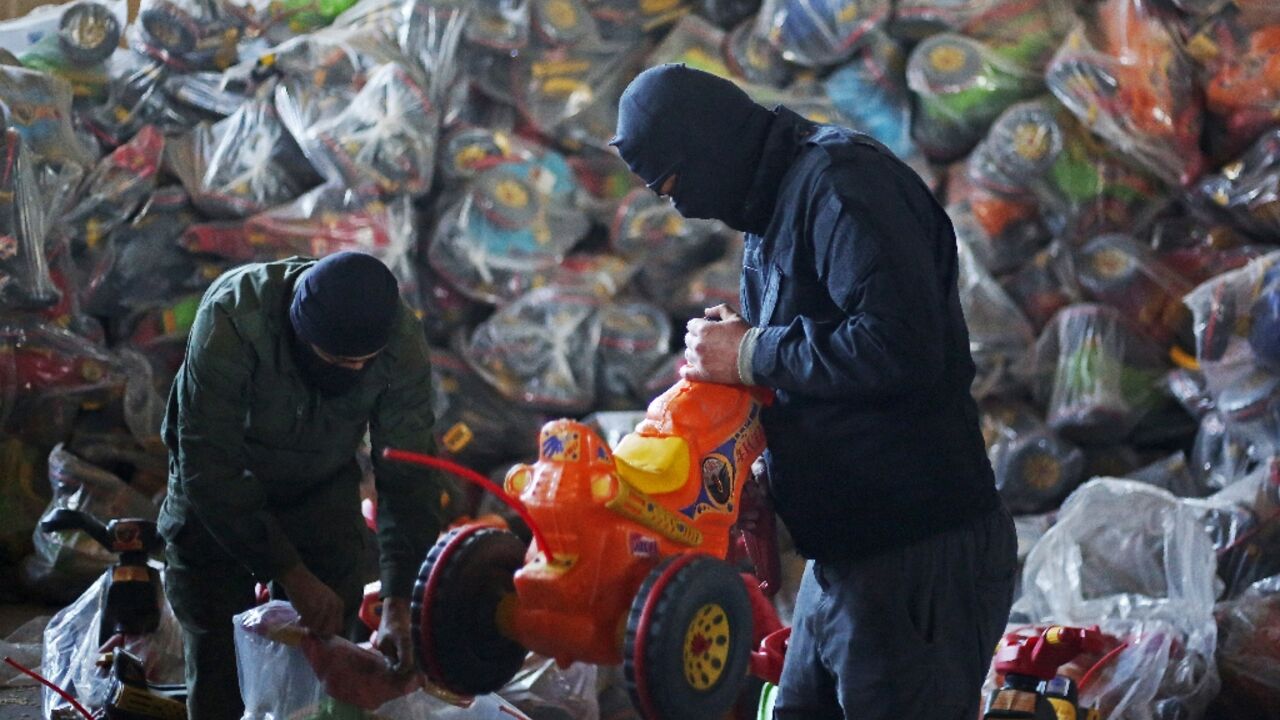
[1244, 83]
[1041, 655]
[628, 563]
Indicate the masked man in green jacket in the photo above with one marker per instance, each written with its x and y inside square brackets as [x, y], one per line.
[287, 365]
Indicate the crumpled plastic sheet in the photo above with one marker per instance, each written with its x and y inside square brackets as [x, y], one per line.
[999, 335]
[24, 224]
[1249, 649]
[1137, 561]
[819, 33]
[1248, 190]
[544, 691]
[634, 337]
[474, 424]
[871, 91]
[1118, 271]
[67, 561]
[1241, 71]
[1034, 468]
[540, 350]
[1220, 455]
[1243, 520]
[39, 107]
[71, 651]
[286, 674]
[961, 86]
[1126, 76]
[112, 193]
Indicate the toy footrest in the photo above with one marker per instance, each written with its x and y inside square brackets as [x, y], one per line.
[653, 465]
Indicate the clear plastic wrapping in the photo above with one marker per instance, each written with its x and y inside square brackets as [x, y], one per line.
[1044, 285]
[634, 337]
[544, 690]
[1249, 650]
[474, 424]
[999, 335]
[189, 35]
[819, 33]
[113, 192]
[1034, 468]
[1248, 190]
[1118, 271]
[666, 247]
[25, 283]
[1241, 70]
[871, 91]
[39, 107]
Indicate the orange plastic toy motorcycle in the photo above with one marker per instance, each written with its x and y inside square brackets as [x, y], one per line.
[628, 563]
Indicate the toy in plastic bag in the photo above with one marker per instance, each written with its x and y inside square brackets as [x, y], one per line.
[39, 107]
[1127, 78]
[961, 86]
[72, 651]
[1249, 650]
[1121, 272]
[819, 33]
[188, 35]
[633, 338]
[751, 57]
[1026, 31]
[999, 335]
[649, 231]
[160, 332]
[714, 284]
[1199, 250]
[24, 272]
[1044, 285]
[1242, 65]
[1034, 468]
[287, 673]
[280, 19]
[87, 34]
[1003, 233]
[1104, 374]
[474, 424]
[871, 91]
[1248, 190]
[244, 164]
[628, 21]
[540, 351]
[1136, 560]
[514, 219]
[544, 691]
[113, 191]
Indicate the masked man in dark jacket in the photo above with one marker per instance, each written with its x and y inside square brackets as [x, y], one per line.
[876, 462]
[287, 365]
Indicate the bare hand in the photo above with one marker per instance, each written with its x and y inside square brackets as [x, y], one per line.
[711, 346]
[317, 604]
[395, 635]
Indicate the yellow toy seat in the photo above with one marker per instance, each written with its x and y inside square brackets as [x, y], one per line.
[653, 465]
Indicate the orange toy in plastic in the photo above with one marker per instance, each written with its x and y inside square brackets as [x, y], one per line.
[1247, 89]
[635, 571]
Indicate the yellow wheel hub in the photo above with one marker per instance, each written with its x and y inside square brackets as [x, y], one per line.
[706, 647]
[1043, 472]
[947, 58]
[1031, 141]
[1110, 263]
[512, 194]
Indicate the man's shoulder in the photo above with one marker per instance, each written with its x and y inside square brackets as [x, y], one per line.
[249, 288]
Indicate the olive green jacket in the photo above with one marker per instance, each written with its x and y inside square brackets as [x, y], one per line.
[267, 465]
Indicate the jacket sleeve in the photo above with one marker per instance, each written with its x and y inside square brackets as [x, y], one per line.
[213, 405]
[409, 497]
[880, 266]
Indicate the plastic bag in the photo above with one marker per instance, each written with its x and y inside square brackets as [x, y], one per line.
[1249, 649]
[1044, 285]
[41, 363]
[1244, 521]
[628, 21]
[278, 20]
[714, 284]
[544, 691]
[1199, 250]
[284, 673]
[961, 86]
[1242, 70]
[871, 91]
[85, 35]
[24, 271]
[1248, 190]
[113, 192]
[1104, 374]
[1003, 234]
[39, 107]
[474, 424]
[1034, 468]
[668, 248]
[819, 33]
[751, 58]
[1118, 271]
[1136, 560]
[633, 338]
[540, 351]
[188, 35]
[999, 335]
[1126, 76]
[71, 651]
[1172, 474]
[242, 165]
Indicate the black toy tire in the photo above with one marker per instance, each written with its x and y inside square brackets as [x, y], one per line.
[97, 51]
[456, 637]
[170, 28]
[673, 598]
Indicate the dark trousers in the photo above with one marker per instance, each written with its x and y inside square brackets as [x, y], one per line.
[206, 588]
[905, 634]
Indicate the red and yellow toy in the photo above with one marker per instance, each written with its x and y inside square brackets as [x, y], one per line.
[628, 563]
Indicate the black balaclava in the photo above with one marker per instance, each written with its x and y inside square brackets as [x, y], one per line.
[347, 305]
[703, 128]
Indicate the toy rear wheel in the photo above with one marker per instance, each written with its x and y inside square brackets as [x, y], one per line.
[88, 33]
[465, 578]
[688, 640]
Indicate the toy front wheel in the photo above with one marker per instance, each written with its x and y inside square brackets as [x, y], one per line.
[463, 582]
[688, 640]
[88, 33]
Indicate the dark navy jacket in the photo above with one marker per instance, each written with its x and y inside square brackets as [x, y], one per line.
[873, 438]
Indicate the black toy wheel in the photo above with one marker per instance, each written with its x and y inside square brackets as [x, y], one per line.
[170, 28]
[1026, 141]
[462, 583]
[947, 63]
[688, 640]
[88, 33]
[1107, 267]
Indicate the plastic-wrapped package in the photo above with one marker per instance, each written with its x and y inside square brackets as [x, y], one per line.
[514, 219]
[1119, 271]
[69, 560]
[1083, 188]
[999, 335]
[474, 424]
[244, 164]
[188, 35]
[280, 19]
[113, 191]
[715, 284]
[85, 36]
[604, 180]
[1135, 560]
[1242, 66]
[1244, 521]
[1249, 650]
[649, 231]
[1220, 455]
[1104, 374]
[634, 336]
[1003, 232]
[871, 91]
[71, 651]
[544, 691]
[286, 673]
[819, 33]
[1034, 468]
[1172, 473]
[39, 107]
[160, 332]
[540, 350]
[1199, 250]
[751, 58]
[1126, 76]
[24, 271]
[20, 501]
[1248, 190]
[1044, 285]
[961, 86]
[40, 362]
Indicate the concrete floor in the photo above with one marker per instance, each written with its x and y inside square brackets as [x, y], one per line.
[20, 703]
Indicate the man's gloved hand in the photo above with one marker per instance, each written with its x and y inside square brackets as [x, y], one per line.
[318, 605]
[711, 346]
[395, 635]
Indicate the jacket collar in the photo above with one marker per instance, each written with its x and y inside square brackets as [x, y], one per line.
[787, 135]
